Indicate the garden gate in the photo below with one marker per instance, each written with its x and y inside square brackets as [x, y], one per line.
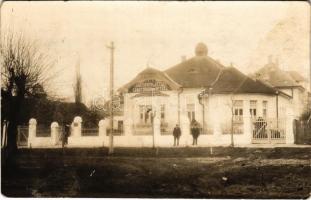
[266, 131]
[22, 136]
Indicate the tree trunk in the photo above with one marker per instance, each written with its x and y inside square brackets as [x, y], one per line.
[12, 138]
[15, 105]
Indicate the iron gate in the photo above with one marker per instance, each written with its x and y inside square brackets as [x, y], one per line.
[268, 131]
[22, 136]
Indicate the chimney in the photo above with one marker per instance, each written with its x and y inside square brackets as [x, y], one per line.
[201, 49]
[183, 58]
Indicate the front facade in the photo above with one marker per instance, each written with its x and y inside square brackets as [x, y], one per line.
[229, 106]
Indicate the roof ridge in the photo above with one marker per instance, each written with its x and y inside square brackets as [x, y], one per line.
[169, 78]
[218, 76]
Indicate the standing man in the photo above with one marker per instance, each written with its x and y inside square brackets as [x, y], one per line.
[195, 132]
[66, 133]
[176, 134]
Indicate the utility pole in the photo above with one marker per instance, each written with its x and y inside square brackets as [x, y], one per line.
[111, 47]
[153, 116]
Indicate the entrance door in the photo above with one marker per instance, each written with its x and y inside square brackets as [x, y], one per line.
[144, 125]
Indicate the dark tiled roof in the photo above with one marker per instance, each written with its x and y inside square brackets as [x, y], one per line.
[199, 71]
[203, 71]
[273, 75]
[150, 73]
[296, 76]
[232, 80]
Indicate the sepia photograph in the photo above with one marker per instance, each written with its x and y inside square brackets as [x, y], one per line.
[155, 99]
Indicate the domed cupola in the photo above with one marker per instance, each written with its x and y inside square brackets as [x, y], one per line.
[201, 49]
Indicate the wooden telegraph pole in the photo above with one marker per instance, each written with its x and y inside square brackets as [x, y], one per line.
[111, 47]
[153, 116]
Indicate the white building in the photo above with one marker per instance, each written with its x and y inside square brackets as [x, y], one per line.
[289, 82]
[222, 99]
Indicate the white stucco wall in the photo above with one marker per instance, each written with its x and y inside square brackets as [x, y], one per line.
[42, 142]
[217, 114]
[77, 140]
[298, 100]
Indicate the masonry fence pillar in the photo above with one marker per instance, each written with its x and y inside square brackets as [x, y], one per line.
[156, 130]
[290, 139]
[217, 127]
[101, 128]
[54, 133]
[185, 137]
[247, 124]
[215, 118]
[128, 126]
[32, 131]
[76, 127]
[102, 131]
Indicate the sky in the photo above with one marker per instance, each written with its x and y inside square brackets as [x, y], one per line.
[158, 34]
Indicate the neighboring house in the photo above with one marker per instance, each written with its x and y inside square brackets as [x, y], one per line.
[289, 82]
[300, 80]
[221, 99]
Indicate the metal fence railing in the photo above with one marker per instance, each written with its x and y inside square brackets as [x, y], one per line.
[43, 131]
[237, 128]
[116, 132]
[142, 129]
[90, 132]
[165, 129]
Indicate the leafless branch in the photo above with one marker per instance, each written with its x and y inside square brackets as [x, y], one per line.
[23, 64]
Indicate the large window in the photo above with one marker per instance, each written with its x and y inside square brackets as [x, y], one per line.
[141, 114]
[264, 109]
[162, 113]
[190, 107]
[144, 115]
[237, 111]
[253, 109]
[191, 111]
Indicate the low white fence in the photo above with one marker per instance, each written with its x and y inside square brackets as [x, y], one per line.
[41, 138]
[34, 136]
[81, 137]
[258, 131]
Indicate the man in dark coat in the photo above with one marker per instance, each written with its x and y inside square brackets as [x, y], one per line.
[176, 134]
[195, 132]
[65, 135]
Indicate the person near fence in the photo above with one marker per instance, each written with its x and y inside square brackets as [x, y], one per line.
[260, 128]
[65, 135]
[195, 131]
[176, 134]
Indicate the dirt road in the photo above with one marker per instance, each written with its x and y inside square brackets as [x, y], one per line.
[172, 173]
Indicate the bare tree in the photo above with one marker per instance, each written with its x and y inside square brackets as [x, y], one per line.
[25, 71]
[78, 85]
[232, 106]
